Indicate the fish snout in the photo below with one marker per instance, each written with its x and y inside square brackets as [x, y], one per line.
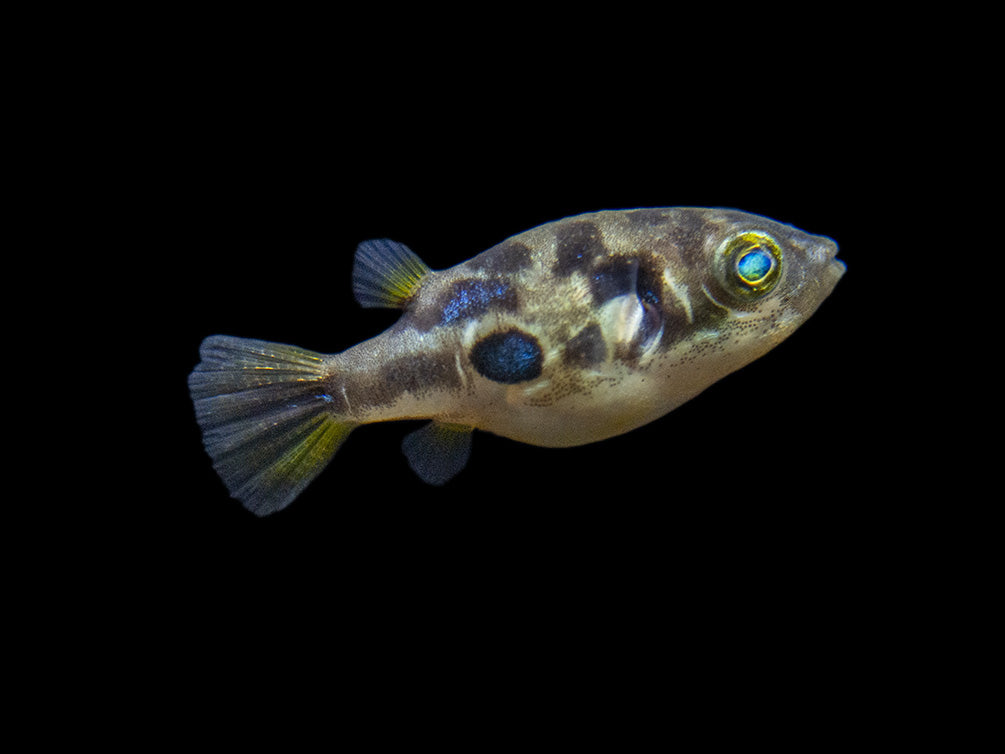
[824, 255]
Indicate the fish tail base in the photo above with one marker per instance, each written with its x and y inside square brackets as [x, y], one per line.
[266, 420]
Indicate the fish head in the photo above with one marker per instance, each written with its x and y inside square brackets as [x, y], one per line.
[734, 285]
[766, 278]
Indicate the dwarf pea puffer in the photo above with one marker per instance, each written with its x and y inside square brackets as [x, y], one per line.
[569, 333]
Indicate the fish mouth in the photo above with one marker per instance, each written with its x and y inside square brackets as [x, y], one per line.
[826, 252]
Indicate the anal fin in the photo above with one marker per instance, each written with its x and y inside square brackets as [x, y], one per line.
[438, 451]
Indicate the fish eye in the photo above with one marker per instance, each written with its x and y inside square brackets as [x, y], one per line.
[753, 261]
[754, 266]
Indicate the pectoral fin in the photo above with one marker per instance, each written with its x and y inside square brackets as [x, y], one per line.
[437, 452]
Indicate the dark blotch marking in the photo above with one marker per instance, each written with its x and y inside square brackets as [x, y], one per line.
[613, 278]
[508, 357]
[464, 299]
[504, 259]
[578, 245]
[418, 374]
[688, 233]
[649, 285]
[586, 349]
[472, 298]
[421, 374]
[621, 275]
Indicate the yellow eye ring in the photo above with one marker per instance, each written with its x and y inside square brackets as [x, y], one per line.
[752, 263]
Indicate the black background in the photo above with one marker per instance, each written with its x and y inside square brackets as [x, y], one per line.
[258, 235]
[242, 195]
[762, 533]
[761, 512]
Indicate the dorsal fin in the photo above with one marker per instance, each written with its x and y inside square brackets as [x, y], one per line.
[386, 273]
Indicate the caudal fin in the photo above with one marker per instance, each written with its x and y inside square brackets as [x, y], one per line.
[266, 420]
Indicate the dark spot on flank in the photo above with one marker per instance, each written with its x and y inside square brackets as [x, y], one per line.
[472, 298]
[419, 374]
[613, 278]
[504, 259]
[508, 357]
[649, 285]
[586, 349]
[464, 299]
[688, 233]
[579, 245]
[622, 275]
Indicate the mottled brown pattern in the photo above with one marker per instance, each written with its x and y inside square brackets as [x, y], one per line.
[504, 259]
[568, 333]
[586, 349]
[361, 391]
[464, 300]
[612, 277]
[645, 219]
[420, 373]
[579, 245]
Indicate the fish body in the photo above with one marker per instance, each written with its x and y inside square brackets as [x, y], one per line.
[566, 334]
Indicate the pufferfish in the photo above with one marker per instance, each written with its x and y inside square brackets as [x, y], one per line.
[566, 334]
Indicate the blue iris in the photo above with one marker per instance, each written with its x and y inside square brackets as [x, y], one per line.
[755, 265]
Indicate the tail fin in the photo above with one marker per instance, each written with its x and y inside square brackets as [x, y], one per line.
[266, 419]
